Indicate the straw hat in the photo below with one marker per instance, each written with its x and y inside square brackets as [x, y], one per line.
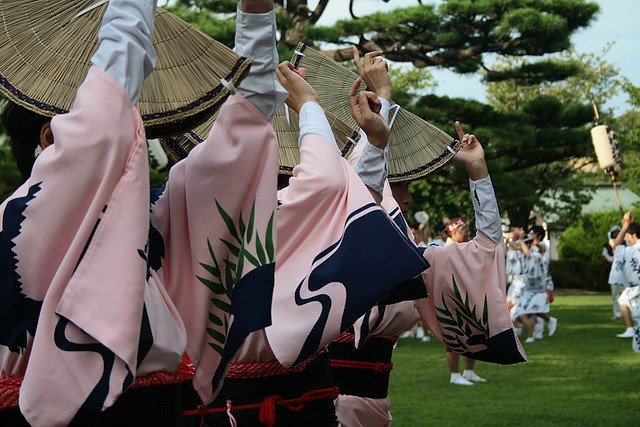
[46, 47]
[416, 147]
[285, 123]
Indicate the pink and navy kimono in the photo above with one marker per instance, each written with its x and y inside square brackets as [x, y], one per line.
[361, 360]
[325, 217]
[75, 266]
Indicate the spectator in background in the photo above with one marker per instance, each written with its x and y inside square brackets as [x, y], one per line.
[458, 231]
[440, 233]
[539, 244]
[626, 262]
[607, 258]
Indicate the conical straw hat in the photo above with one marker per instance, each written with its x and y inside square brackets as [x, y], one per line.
[416, 147]
[46, 48]
[285, 123]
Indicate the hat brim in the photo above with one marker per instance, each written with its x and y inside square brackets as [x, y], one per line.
[286, 125]
[416, 147]
[45, 53]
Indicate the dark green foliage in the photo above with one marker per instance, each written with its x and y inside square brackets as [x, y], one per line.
[585, 239]
[578, 274]
[528, 153]
[10, 177]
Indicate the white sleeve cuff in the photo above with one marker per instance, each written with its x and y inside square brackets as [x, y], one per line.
[372, 165]
[313, 120]
[386, 107]
[486, 208]
[126, 43]
[256, 39]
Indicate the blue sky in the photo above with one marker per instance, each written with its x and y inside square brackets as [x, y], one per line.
[618, 21]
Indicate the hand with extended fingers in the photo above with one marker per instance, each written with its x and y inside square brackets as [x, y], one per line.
[374, 72]
[365, 109]
[295, 82]
[471, 155]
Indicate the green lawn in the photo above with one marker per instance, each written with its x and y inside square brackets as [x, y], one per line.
[583, 375]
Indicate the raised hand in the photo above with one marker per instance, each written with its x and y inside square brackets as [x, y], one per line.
[256, 6]
[295, 82]
[365, 109]
[471, 155]
[374, 72]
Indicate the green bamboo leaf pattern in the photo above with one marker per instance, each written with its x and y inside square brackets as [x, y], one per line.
[446, 321]
[221, 305]
[240, 266]
[485, 316]
[464, 321]
[215, 272]
[217, 348]
[216, 335]
[215, 319]
[269, 239]
[232, 248]
[454, 330]
[251, 220]
[260, 251]
[229, 222]
[241, 226]
[253, 260]
[216, 288]
[236, 255]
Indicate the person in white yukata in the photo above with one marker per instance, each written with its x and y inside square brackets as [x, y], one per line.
[627, 261]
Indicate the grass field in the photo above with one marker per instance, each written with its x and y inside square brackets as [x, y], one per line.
[584, 376]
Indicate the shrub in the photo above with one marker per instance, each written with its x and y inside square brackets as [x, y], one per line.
[580, 274]
[585, 239]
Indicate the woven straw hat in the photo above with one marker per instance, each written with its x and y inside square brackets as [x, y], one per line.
[285, 123]
[46, 47]
[416, 147]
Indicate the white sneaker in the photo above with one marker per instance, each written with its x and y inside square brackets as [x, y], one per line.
[426, 338]
[420, 333]
[530, 339]
[518, 331]
[472, 376]
[459, 380]
[553, 324]
[626, 334]
[538, 328]
[408, 334]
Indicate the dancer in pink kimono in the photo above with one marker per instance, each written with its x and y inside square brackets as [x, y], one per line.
[361, 358]
[109, 338]
[281, 374]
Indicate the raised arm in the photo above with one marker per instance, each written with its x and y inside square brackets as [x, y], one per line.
[371, 166]
[126, 43]
[471, 155]
[627, 220]
[255, 39]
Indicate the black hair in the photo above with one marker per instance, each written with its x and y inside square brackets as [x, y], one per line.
[538, 231]
[23, 129]
[634, 228]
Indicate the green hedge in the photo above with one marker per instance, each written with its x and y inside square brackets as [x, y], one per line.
[580, 274]
[585, 239]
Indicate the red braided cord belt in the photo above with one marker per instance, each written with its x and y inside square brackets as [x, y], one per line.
[10, 386]
[350, 337]
[268, 405]
[377, 367]
[266, 369]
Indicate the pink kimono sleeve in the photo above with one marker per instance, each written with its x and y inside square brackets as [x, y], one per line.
[466, 308]
[82, 216]
[215, 223]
